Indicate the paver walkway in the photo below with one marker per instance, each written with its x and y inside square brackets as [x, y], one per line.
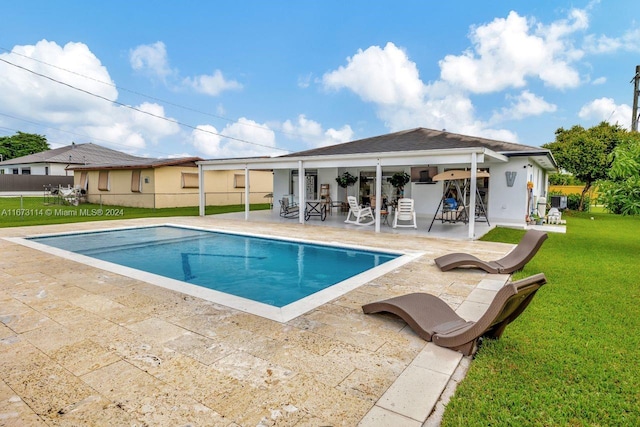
[81, 346]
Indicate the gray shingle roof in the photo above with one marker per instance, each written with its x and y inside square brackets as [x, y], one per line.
[88, 153]
[415, 140]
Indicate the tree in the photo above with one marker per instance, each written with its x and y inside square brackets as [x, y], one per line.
[22, 144]
[346, 180]
[586, 152]
[399, 180]
[620, 193]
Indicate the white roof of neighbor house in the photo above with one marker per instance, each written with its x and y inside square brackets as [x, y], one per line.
[78, 154]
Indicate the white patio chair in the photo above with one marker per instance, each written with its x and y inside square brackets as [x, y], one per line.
[358, 213]
[405, 213]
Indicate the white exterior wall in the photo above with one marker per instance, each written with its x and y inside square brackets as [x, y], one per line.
[505, 205]
[39, 169]
[508, 205]
[280, 184]
[427, 197]
[328, 176]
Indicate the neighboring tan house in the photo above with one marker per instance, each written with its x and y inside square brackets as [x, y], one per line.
[165, 183]
[57, 162]
[518, 173]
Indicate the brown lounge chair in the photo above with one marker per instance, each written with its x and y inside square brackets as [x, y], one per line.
[513, 261]
[433, 320]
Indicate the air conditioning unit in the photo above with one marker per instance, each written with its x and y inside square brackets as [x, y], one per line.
[559, 202]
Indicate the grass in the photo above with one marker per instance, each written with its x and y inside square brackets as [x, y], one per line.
[572, 356]
[15, 212]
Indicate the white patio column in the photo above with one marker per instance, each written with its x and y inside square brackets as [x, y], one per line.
[247, 192]
[201, 193]
[472, 196]
[301, 192]
[378, 194]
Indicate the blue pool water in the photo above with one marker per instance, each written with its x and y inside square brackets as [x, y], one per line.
[271, 271]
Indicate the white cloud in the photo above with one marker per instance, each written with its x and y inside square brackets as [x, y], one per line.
[505, 53]
[41, 99]
[212, 84]
[524, 105]
[599, 81]
[244, 138]
[305, 81]
[384, 76]
[390, 80]
[78, 112]
[508, 51]
[605, 109]
[151, 59]
[628, 42]
[313, 134]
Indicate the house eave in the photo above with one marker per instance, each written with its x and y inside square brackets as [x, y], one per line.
[390, 158]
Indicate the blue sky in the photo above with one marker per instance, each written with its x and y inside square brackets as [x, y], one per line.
[231, 79]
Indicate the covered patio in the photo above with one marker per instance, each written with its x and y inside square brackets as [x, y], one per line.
[469, 158]
[513, 176]
[335, 220]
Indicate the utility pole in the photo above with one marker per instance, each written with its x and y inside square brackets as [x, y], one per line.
[636, 83]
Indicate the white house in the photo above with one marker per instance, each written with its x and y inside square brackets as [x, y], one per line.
[518, 173]
[57, 161]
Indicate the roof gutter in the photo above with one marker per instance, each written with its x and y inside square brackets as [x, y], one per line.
[356, 158]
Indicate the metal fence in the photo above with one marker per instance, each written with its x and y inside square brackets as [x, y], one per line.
[13, 183]
[151, 200]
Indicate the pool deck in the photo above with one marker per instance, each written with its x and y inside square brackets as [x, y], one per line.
[82, 346]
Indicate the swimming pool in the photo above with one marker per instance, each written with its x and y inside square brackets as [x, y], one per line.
[274, 278]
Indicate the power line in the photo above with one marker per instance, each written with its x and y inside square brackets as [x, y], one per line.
[139, 110]
[258, 126]
[91, 138]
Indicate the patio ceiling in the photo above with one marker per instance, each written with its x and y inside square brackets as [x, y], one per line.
[392, 158]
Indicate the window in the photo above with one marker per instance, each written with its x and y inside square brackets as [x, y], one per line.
[189, 180]
[26, 171]
[46, 170]
[238, 181]
[15, 171]
[103, 181]
[136, 183]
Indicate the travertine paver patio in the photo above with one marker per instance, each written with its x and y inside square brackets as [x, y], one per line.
[81, 346]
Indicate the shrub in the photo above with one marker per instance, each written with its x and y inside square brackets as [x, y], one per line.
[573, 202]
[563, 179]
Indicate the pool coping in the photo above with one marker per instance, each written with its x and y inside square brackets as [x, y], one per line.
[278, 314]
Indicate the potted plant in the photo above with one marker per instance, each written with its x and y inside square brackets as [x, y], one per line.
[399, 180]
[346, 180]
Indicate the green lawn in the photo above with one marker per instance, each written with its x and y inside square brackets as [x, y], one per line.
[15, 212]
[573, 357]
